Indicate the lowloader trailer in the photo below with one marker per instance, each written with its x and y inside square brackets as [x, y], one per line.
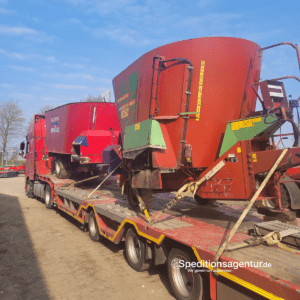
[261, 261]
[187, 239]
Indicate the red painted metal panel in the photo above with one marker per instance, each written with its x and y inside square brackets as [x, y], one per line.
[231, 65]
[69, 121]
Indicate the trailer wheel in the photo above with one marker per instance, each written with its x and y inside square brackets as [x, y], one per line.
[93, 228]
[29, 189]
[186, 283]
[48, 197]
[63, 169]
[201, 201]
[135, 249]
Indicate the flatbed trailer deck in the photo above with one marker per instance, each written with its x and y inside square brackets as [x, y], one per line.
[199, 230]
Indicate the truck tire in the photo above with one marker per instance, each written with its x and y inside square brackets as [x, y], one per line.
[135, 249]
[201, 201]
[185, 285]
[93, 227]
[48, 197]
[29, 189]
[63, 169]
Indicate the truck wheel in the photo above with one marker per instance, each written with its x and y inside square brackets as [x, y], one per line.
[63, 169]
[186, 283]
[135, 249]
[48, 197]
[201, 201]
[93, 228]
[29, 189]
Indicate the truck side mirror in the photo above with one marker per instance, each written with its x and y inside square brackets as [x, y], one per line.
[22, 146]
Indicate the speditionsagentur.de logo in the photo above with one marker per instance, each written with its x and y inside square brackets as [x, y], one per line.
[180, 263]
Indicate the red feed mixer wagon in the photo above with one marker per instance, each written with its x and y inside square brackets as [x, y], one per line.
[187, 115]
[75, 135]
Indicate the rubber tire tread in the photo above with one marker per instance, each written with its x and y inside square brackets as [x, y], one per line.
[132, 199]
[94, 237]
[199, 279]
[147, 196]
[143, 264]
[65, 169]
[29, 193]
[48, 190]
[201, 201]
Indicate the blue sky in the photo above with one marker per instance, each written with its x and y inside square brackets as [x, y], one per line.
[58, 51]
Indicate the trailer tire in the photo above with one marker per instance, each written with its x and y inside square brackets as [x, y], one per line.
[48, 197]
[185, 285]
[135, 249]
[93, 227]
[200, 200]
[29, 189]
[63, 169]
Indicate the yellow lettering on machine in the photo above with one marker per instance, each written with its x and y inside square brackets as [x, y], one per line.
[254, 157]
[123, 97]
[239, 150]
[124, 113]
[200, 90]
[244, 123]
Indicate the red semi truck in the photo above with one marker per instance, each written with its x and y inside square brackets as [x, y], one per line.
[188, 236]
[74, 135]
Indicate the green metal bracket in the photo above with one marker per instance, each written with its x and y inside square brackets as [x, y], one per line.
[247, 129]
[146, 134]
[188, 113]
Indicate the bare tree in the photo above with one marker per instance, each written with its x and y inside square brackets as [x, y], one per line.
[45, 108]
[11, 121]
[91, 98]
[41, 111]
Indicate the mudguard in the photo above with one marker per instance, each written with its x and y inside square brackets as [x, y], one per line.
[293, 190]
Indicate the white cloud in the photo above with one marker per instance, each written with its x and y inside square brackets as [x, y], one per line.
[23, 31]
[5, 11]
[124, 35]
[22, 96]
[260, 36]
[203, 3]
[75, 66]
[10, 30]
[36, 89]
[19, 68]
[78, 76]
[69, 86]
[6, 85]
[20, 56]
